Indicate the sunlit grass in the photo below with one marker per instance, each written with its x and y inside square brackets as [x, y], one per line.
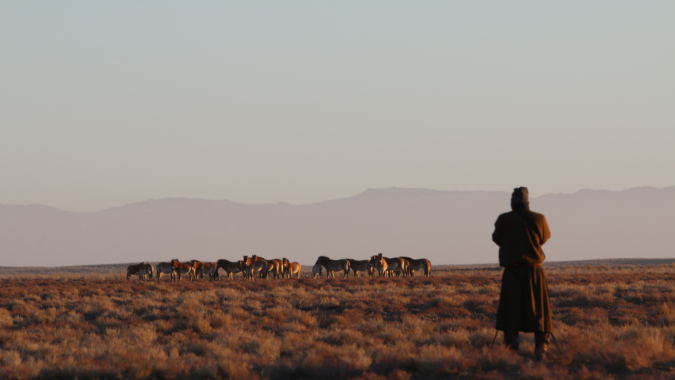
[609, 322]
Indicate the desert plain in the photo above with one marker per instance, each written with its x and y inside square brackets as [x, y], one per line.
[611, 321]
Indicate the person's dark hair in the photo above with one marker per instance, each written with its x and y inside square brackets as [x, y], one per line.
[520, 198]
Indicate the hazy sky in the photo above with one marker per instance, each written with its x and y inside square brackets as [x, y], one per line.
[107, 103]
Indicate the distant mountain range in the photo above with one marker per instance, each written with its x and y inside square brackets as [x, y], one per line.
[447, 227]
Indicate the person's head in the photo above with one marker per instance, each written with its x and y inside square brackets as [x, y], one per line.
[520, 198]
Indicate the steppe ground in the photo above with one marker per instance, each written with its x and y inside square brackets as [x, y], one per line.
[610, 322]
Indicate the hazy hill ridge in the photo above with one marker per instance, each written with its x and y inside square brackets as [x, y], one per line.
[448, 227]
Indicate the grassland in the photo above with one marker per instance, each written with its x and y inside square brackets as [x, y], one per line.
[610, 322]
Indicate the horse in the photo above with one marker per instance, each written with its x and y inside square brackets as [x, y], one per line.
[165, 268]
[246, 270]
[202, 269]
[133, 269]
[146, 270]
[277, 268]
[183, 268]
[334, 265]
[360, 266]
[404, 266]
[291, 268]
[393, 265]
[402, 272]
[316, 270]
[196, 266]
[251, 266]
[231, 268]
[418, 264]
[274, 266]
[377, 262]
[142, 270]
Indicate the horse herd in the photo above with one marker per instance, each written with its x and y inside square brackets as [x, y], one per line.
[256, 266]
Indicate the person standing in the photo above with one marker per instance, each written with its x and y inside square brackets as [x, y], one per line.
[524, 303]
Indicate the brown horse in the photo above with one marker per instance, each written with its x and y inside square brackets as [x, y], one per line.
[183, 268]
[250, 267]
[393, 265]
[418, 264]
[166, 268]
[230, 268]
[291, 268]
[403, 272]
[334, 265]
[274, 266]
[286, 264]
[202, 269]
[360, 266]
[197, 266]
[379, 264]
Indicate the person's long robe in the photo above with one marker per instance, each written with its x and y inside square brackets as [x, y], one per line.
[524, 303]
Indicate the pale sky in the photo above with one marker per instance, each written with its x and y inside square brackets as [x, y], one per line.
[108, 103]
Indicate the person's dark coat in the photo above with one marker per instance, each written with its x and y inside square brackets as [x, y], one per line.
[520, 235]
[524, 303]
